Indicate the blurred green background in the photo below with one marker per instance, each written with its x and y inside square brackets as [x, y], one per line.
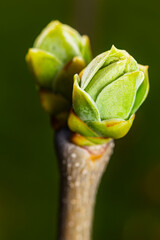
[128, 203]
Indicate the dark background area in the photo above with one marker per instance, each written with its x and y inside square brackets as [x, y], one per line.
[128, 203]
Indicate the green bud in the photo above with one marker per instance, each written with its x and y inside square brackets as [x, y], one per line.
[58, 53]
[106, 96]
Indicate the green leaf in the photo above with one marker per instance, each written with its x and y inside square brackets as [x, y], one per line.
[92, 68]
[83, 105]
[43, 65]
[115, 55]
[105, 59]
[116, 99]
[105, 76]
[86, 49]
[131, 64]
[73, 33]
[115, 128]
[119, 55]
[58, 41]
[78, 126]
[87, 136]
[142, 91]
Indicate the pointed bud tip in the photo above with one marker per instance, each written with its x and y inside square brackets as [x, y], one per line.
[144, 67]
[113, 47]
[76, 78]
[53, 23]
[30, 53]
[86, 39]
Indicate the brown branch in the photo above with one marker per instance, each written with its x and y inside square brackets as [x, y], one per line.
[81, 170]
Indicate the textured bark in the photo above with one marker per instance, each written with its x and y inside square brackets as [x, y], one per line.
[81, 169]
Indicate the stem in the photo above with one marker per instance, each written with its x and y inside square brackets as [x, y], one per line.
[81, 169]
